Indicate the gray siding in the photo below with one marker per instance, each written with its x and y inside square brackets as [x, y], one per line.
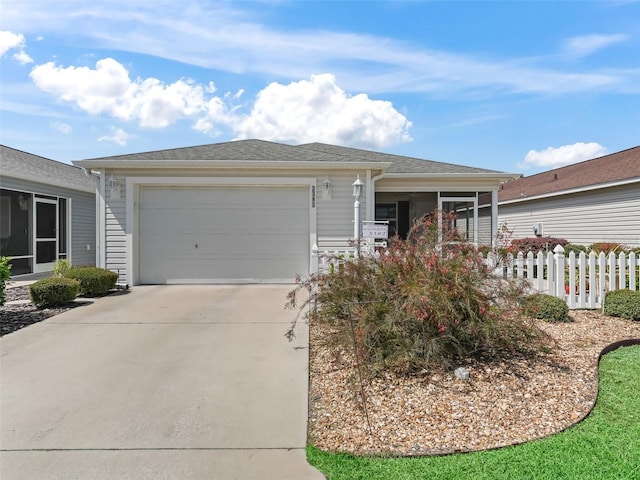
[334, 216]
[83, 216]
[605, 215]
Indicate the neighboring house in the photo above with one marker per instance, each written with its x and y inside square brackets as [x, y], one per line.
[253, 211]
[593, 201]
[47, 212]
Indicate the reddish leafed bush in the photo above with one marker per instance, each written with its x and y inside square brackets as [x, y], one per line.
[429, 300]
[537, 244]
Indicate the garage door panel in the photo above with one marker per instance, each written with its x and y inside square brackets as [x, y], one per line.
[223, 234]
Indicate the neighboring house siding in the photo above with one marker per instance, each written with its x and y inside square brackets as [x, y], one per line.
[83, 216]
[605, 215]
[83, 224]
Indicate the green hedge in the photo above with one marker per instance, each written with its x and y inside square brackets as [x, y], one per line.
[94, 281]
[5, 274]
[53, 291]
[623, 303]
[546, 307]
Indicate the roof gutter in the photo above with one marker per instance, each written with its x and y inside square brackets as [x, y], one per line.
[235, 164]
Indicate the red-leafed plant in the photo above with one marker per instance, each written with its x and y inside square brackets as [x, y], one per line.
[428, 300]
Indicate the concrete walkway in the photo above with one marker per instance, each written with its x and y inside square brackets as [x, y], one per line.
[163, 382]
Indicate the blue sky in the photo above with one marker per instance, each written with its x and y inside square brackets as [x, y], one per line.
[514, 86]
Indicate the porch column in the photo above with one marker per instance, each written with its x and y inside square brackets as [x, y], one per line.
[357, 191]
[494, 217]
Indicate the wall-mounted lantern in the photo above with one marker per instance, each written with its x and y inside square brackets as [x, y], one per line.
[111, 186]
[23, 202]
[326, 189]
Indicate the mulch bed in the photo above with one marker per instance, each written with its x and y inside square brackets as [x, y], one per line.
[15, 317]
[503, 403]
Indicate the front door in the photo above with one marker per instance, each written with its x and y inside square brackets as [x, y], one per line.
[46, 223]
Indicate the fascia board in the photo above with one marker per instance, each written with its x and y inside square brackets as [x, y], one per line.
[51, 182]
[483, 175]
[570, 191]
[219, 164]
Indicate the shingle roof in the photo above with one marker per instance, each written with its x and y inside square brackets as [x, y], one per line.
[399, 163]
[616, 167]
[26, 166]
[261, 150]
[239, 150]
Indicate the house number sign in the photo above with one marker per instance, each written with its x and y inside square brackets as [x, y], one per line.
[313, 196]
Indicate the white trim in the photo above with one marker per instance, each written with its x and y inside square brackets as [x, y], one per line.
[572, 190]
[43, 267]
[69, 219]
[233, 164]
[456, 176]
[473, 200]
[101, 218]
[494, 217]
[133, 185]
[49, 181]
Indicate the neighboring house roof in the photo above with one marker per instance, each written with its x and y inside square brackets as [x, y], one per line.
[609, 170]
[264, 153]
[26, 166]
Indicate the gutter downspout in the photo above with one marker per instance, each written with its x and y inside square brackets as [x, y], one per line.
[99, 199]
[371, 195]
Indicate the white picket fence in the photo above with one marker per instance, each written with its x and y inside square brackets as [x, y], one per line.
[580, 280]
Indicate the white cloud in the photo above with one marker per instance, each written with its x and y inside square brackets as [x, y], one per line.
[554, 157]
[319, 110]
[64, 128]
[108, 89]
[118, 136]
[23, 58]
[304, 111]
[11, 41]
[587, 44]
[226, 36]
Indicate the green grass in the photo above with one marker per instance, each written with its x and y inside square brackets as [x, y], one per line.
[606, 445]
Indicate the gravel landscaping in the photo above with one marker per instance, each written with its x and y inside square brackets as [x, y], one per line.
[502, 403]
[15, 317]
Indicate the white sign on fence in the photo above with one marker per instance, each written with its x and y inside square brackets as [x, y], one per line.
[373, 230]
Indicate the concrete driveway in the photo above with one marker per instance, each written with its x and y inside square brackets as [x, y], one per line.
[164, 382]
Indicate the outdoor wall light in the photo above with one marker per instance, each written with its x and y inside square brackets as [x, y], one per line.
[23, 203]
[357, 188]
[326, 189]
[111, 185]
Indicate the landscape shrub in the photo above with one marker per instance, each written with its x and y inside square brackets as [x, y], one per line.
[574, 247]
[546, 307]
[60, 268]
[94, 281]
[623, 303]
[537, 244]
[5, 274]
[53, 291]
[420, 304]
[607, 247]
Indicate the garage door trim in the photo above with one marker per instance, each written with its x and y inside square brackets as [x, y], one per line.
[133, 185]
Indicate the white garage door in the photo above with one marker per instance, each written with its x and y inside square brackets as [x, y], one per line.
[223, 234]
